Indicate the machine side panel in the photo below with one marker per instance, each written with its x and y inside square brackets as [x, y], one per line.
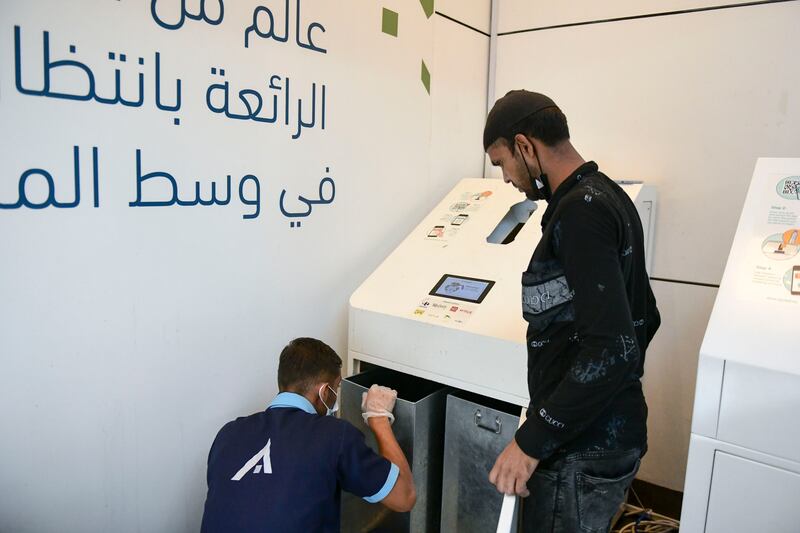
[702, 471]
[708, 391]
[699, 468]
[750, 496]
[760, 409]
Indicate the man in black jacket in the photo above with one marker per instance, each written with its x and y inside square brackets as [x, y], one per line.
[591, 314]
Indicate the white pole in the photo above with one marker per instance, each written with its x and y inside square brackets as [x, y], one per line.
[509, 502]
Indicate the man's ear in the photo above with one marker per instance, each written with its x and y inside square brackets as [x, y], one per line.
[524, 144]
[316, 390]
[314, 397]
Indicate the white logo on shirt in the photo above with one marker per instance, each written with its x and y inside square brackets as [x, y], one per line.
[549, 419]
[254, 463]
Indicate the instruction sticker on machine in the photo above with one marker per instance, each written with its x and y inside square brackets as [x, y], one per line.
[757, 306]
[444, 311]
[773, 262]
[458, 213]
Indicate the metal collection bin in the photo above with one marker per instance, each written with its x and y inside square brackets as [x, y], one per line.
[419, 429]
[477, 429]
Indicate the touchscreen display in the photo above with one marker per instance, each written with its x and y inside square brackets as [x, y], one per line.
[462, 288]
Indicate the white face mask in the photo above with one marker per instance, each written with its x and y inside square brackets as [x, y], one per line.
[330, 410]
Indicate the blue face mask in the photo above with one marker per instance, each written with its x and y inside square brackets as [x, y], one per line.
[330, 410]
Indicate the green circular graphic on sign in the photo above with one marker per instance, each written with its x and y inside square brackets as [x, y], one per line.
[787, 279]
[789, 188]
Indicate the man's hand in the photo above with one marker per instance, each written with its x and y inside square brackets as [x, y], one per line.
[512, 470]
[378, 401]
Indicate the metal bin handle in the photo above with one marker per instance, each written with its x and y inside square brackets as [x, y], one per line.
[497, 423]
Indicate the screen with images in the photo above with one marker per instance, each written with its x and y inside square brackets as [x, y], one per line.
[462, 288]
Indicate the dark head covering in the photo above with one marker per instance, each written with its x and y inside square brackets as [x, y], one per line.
[511, 109]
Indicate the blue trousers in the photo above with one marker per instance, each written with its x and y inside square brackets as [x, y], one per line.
[579, 492]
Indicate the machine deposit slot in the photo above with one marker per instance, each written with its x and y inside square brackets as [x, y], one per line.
[512, 223]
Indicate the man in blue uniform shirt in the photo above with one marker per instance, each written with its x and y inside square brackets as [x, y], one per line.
[283, 469]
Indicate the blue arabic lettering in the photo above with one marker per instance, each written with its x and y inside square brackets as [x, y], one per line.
[300, 122]
[311, 27]
[258, 27]
[256, 200]
[140, 179]
[162, 106]
[184, 14]
[118, 99]
[50, 200]
[198, 200]
[322, 199]
[50, 67]
[218, 99]
[268, 34]
[174, 199]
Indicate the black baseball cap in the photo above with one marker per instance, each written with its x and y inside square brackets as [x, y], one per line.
[514, 107]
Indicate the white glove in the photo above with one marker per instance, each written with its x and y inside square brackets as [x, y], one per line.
[378, 401]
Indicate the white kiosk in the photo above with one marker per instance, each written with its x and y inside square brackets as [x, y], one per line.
[743, 473]
[445, 305]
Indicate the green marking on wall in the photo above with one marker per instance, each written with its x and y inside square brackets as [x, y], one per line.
[389, 22]
[426, 77]
[427, 6]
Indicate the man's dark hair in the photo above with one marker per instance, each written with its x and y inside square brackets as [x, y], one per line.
[304, 362]
[532, 114]
[548, 125]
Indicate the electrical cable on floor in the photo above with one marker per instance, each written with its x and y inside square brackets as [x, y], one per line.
[645, 520]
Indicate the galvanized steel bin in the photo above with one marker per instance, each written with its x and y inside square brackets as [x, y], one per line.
[477, 429]
[419, 429]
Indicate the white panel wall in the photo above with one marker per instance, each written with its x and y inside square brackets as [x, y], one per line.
[687, 103]
[130, 335]
[524, 14]
[669, 381]
[459, 100]
[475, 13]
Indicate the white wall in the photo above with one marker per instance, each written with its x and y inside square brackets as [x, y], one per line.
[130, 335]
[686, 102]
[518, 15]
[475, 13]
[461, 59]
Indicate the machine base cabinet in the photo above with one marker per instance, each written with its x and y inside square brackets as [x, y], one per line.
[451, 439]
[419, 429]
[732, 489]
[745, 493]
[476, 431]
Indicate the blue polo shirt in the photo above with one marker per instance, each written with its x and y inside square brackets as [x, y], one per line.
[283, 470]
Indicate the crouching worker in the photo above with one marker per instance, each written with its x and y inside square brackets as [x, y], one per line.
[283, 469]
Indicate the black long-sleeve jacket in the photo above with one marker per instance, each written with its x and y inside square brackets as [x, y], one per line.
[591, 314]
